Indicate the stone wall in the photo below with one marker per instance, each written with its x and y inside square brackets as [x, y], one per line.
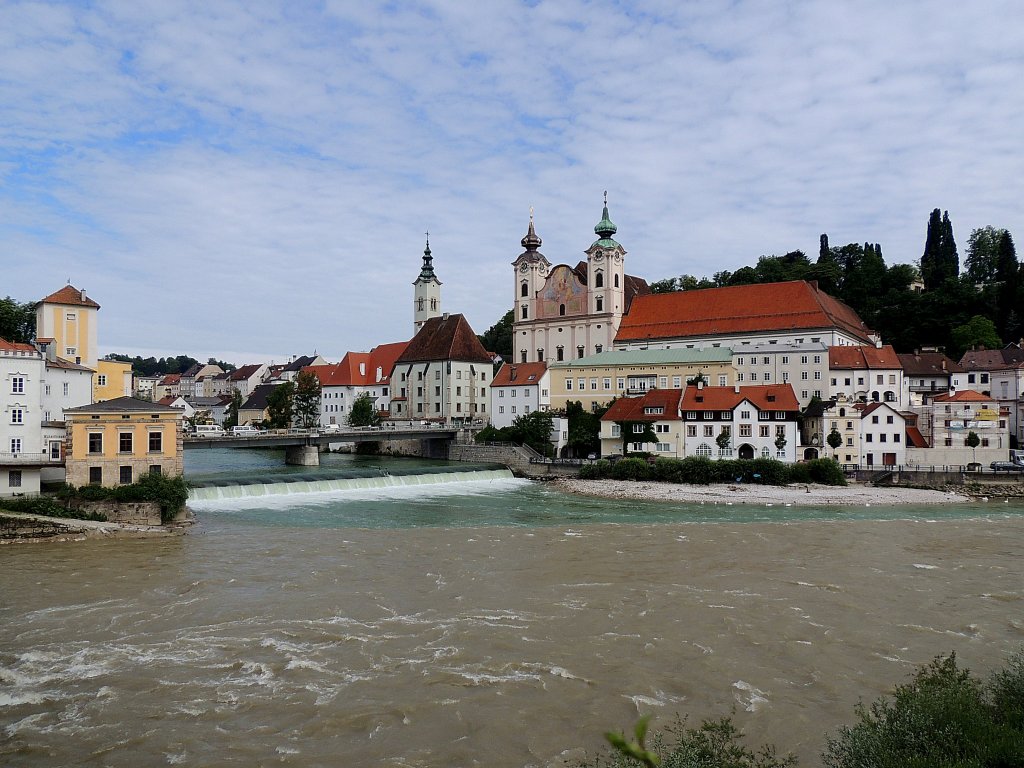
[131, 512]
[515, 458]
[15, 527]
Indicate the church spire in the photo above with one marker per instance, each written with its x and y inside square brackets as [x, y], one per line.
[605, 227]
[531, 242]
[427, 272]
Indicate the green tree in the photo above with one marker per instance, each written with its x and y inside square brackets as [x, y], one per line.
[1009, 295]
[834, 440]
[498, 338]
[306, 400]
[976, 332]
[231, 413]
[279, 406]
[221, 364]
[983, 254]
[723, 439]
[584, 435]
[636, 432]
[940, 262]
[17, 321]
[363, 412]
[972, 441]
[533, 429]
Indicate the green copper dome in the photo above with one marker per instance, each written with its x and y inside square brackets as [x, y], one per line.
[605, 228]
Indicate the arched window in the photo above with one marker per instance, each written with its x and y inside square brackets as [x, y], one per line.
[540, 355]
[433, 305]
[616, 281]
[600, 304]
[874, 396]
[842, 412]
[599, 279]
[419, 303]
[560, 352]
[525, 291]
[890, 396]
[561, 310]
[703, 449]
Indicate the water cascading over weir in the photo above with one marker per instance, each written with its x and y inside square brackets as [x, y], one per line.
[326, 481]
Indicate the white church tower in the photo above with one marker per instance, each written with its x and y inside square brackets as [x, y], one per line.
[426, 302]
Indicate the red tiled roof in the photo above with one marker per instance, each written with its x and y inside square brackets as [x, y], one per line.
[863, 358]
[766, 397]
[868, 408]
[632, 408]
[790, 306]
[244, 373]
[170, 378]
[347, 372]
[525, 374]
[449, 337]
[992, 359]
[963, 396]
[16, 346]
[70, 296]
[915, 439]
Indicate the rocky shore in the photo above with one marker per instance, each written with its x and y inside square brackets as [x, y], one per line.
[18, 527]
[729, 493]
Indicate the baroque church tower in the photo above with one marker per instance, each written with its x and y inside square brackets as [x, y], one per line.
[426, 301]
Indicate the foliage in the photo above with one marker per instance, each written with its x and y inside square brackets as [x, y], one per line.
[280, 406]
[17, 320]
[630, 469]
[170, 493]
[363, 412]
[306, 400]
[972, 440]
[723, 438]
[498, 338]
[700, 470]
[714, 744]
[939, 263]
[629, 434]
[150, 366]
[533, 429]
[983, 254]
[824, 471]
[943, 717]
[977, 332]
[231, 413]
[584, 429]
[224, 366]
[834, 439]
[596, 471]
[48, 507]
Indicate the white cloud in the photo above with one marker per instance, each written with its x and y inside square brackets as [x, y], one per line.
[258, 176]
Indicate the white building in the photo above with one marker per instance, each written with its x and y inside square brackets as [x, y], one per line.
[358, 373]
[426, 298]
[660, 409]
[22, 453]
[519, 389]
[758, 418]
[882, 435]
[804, 365]
[866, 374]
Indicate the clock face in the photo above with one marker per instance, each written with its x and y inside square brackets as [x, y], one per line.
[598, 256]
[525, 268]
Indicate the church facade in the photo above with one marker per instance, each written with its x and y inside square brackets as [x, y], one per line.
[562, 312]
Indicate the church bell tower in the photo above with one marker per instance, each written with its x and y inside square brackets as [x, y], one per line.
[426, 302]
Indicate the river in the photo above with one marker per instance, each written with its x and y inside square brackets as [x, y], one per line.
[488, 621]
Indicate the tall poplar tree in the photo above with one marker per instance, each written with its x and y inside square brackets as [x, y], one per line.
[1010, 295]
[940, 261]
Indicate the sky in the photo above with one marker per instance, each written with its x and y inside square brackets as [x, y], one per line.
[253, 180]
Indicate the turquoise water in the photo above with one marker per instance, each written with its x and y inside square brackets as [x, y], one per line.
[453, 501]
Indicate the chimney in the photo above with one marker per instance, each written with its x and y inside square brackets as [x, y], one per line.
[943, 363]
[512, 373]
[444, 316]
[736, 388]
[700, 382]
[83, 294]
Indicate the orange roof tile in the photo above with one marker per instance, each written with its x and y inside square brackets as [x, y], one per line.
[963, 396]
[632, 408]
[524, 373]
[16, 346]
[70, 296]
[348, 372]
[915, 439]
[765, 397]
[863, 358]
[790, 306]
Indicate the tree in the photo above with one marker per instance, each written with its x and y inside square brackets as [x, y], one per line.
[231, 414]
[983, 254]
[834, 440]
[723, 440]
[498, 338]
[1009, 296]
[584, 435]
[533, 429]
[780, 442]
[636, 432]
[972, 441]
[306, 401]
[977, 332]
[17, 321]
[363, 412]
[940, 262]
[279, 406]
[221, 364]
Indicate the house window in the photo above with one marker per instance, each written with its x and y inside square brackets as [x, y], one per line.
[753, 375]
[18, 385]
[984, 378]
[607, 383]
[616, 281]
[540, 355]
[568, 384]
[95, 475]
[638, 429]
[691, 430]
[124, 442]
[598, 348]
[581, 384]
[101, 380]
[723, 380]
[739, 377]
[125, 476]
[764, 431]
[579, 351]
[14, 478]
[17, 416]
[620, 383]
[616, 430]
[703, 450]
[15, 445]
[522, 355]
[709, 430]
[593, 383]
[156, 469]
[745, 430]
[95, 442]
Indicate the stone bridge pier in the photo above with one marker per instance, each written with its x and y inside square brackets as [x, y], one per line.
[302, 455]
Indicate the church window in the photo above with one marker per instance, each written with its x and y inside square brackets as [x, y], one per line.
[561, 310]
[599, 280]
[579, 351]
[616, 281]
[560, 353]
[433, 305]
[525, 291]
[540, 355]
[598, 348]
[600, 304]
[522, 354]
[419, 304]
[525, 312]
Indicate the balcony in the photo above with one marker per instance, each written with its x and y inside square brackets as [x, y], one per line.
[34, 459]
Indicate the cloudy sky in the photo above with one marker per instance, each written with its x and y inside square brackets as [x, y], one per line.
[254, 179]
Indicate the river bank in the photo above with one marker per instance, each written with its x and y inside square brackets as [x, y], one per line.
[729, 493]
[17, 527]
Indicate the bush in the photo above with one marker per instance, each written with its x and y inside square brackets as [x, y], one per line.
[799, 473]
[697, 470]
[826, 472]
[715, 744]
[596, 471]
[667, 470]
[631, 469]
[49, 507]
[768, 472]
[943, 717]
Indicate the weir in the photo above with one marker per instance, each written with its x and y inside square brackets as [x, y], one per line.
[323, 482]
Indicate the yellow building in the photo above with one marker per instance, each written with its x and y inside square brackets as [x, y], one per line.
[68, 317]
[112, 379]
[595, 380]
[117, 441]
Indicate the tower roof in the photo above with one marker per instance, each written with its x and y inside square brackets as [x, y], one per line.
[531, 242]
[605, 228]
[70, 296]
[427, 270]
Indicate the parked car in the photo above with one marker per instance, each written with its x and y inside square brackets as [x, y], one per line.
[247, 430]
[1006, 466]
[331, 428]
[209, 430]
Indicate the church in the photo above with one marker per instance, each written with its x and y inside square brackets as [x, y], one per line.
[564, 313]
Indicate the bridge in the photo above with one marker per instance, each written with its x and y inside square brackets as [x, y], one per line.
[302, 446]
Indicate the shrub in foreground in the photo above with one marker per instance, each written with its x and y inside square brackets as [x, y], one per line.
[826, 472]
[631, 469]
